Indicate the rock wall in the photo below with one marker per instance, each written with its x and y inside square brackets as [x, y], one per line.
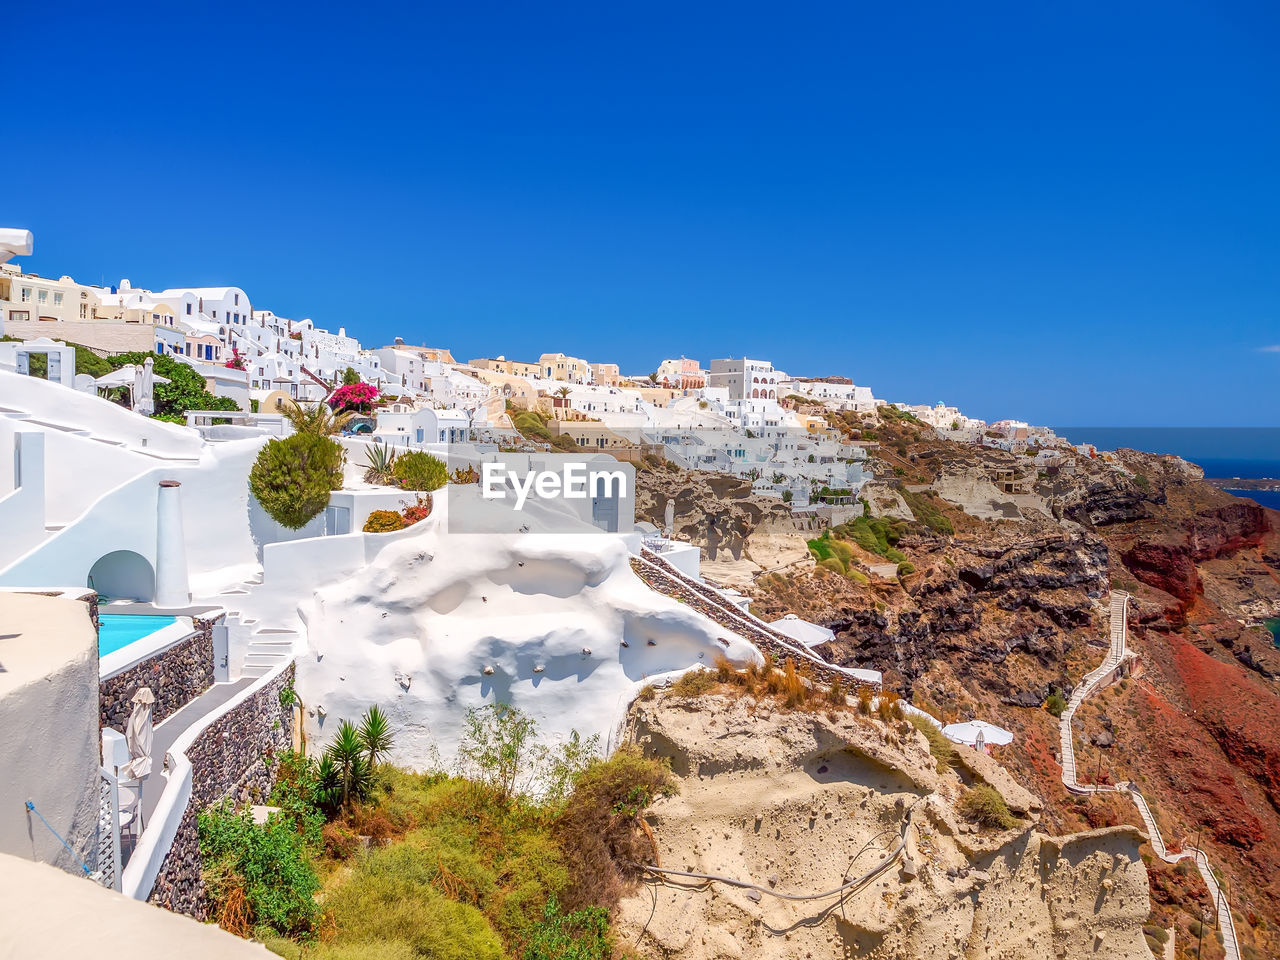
[176, 676]
[235, 759]
[801, 802]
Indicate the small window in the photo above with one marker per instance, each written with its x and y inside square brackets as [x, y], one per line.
[26, 294]
[57, 299]
[188, 309]
[237, 301]
[42, 296]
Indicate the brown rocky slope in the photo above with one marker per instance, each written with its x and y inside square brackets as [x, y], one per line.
[1007, 608]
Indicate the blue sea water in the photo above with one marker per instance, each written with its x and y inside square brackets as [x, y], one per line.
[1245, 452]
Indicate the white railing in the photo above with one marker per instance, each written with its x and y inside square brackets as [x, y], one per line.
[1117, 655]
[108, 850]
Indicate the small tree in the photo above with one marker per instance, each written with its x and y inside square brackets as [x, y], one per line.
[292, 478]
[347, 754]
[350, 377]
[498, 748]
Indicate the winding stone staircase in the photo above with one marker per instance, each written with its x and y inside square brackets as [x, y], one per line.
[1117, 655]
[661, 576]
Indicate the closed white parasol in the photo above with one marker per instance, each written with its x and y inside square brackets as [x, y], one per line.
[139, 734]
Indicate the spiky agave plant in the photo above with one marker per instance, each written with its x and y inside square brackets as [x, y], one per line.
[375, 735]
[381, 460]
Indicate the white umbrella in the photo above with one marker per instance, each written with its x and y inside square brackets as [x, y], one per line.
[970, 732]
[126, 376]
[117, 378]
[142, 384]
[139, 735]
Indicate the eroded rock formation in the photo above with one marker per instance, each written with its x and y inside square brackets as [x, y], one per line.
[800, 803]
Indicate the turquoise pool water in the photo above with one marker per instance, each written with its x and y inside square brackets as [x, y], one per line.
[118, 630]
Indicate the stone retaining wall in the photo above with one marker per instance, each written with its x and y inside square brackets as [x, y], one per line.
[235, 759]
[176, 676]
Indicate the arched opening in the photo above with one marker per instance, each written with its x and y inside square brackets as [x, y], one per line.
[123, 574]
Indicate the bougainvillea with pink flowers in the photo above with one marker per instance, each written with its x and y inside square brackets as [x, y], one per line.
[354, 396]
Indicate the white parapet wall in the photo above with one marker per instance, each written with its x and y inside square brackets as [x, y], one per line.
[49, 715]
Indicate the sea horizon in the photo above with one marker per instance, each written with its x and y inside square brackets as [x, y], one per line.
[1224, 453]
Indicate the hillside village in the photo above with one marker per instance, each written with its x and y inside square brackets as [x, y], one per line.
[231, 536]
[740, 416]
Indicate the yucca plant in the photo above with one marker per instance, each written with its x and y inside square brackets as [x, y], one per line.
[350, 767]
[381, 460]
[328, 790]
[375, 735]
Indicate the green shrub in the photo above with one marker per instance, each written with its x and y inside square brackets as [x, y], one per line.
[582, 935]
[832, 564]
[420, 471]
[1156, 932]
[943, 750]
[267, 867]
[926, 512]
[383, 521]
[295, 793]
[292, 478]
[876, 535]
[186, 389]
[1056, 704]
[906, 567]
[390, 900]
[984, 805]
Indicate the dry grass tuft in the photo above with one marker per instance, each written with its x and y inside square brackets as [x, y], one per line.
[602, 825]
[984, 805]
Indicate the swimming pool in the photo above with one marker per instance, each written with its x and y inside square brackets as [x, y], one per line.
[117, 630]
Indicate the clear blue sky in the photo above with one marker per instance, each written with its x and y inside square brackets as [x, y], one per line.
[1068, 213]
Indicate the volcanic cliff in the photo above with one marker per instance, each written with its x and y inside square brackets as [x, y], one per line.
[997, 608]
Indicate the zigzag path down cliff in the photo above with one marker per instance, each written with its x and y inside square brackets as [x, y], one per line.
[1003, 612]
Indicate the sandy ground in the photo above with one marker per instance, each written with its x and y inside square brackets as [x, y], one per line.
[802, 803]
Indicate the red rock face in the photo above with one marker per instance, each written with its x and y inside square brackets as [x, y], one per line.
[1236, 709]
[1165, 553]
[1226, 529]
[1165, 567]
